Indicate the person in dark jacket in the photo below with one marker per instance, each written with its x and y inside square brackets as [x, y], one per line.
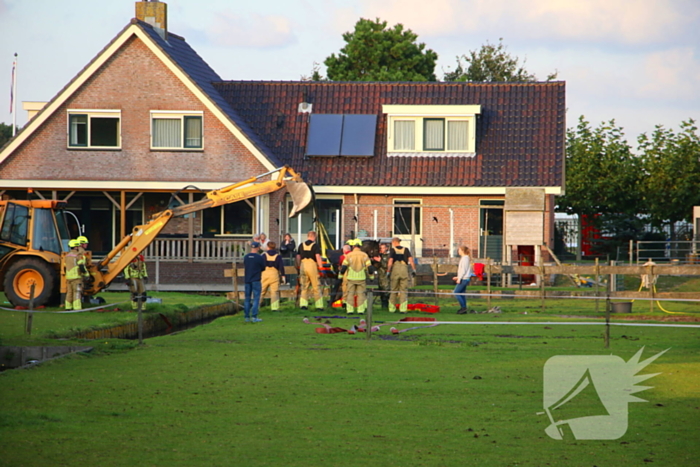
[288, 248]
[254, 265]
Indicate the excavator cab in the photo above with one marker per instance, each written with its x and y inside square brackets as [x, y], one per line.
[33, 235]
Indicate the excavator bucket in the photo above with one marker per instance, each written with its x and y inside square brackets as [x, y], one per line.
[301, 196]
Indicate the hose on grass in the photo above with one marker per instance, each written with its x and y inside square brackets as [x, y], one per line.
[658, 303]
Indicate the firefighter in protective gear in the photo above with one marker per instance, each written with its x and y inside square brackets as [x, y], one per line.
[397, 270]
[271, 275]
[87, 258]
[341, 283]
[309, 262]
[355, 267]
[74, 268]
[135, 274]
[381, 263]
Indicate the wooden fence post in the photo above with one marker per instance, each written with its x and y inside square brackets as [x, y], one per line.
[488, 284]
[140, 311]
[370, 300]
[235, 284]
[542, 291]
[597, 285]
[608, 306]
[30, 313]
[435, 280]
[652, 286]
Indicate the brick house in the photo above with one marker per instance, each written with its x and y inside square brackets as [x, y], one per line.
[438, 164]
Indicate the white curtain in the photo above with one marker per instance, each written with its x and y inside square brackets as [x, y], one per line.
[78, 130]
[457, 135]
[193, 132]
[404, 135]
[167, 133]
[434, 137]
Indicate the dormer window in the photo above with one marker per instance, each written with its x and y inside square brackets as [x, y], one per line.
[432, 130]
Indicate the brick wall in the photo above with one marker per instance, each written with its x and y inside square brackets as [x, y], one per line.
[435, 225]
[435, 235]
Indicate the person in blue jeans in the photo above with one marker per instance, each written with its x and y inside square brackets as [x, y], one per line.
[464, 275]
[254, 265]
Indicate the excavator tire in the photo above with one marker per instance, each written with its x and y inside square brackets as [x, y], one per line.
[25, 272]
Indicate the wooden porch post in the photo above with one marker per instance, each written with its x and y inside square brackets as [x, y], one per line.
[190, 231]
[122, 215]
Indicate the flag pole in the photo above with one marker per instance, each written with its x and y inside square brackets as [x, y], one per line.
[13, 104]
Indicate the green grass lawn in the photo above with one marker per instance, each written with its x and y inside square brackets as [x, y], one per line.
[277, 393]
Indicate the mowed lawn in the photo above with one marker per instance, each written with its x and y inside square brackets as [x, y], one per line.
[277, 393]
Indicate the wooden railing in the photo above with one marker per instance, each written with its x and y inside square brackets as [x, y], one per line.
[203, 249]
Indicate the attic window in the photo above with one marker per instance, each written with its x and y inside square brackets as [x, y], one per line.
[431, 130]
[94, 129]
[341, 135]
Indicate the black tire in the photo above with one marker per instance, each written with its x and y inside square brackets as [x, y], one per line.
[22, 273]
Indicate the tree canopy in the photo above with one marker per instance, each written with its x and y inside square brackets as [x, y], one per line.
[671, 163]
[5, 133]
[374, 52]
[603, 176]
[491, 63]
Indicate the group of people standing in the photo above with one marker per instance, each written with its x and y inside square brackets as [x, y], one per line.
[393, 265]
[264, 270]
[76, 267]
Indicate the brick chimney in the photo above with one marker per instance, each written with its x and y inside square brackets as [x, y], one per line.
[154, 13]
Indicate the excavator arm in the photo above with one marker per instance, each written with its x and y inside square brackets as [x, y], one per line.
[104, 272]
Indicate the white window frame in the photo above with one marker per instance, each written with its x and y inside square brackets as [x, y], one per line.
[176, 115]
[418, 114]
[94, 114]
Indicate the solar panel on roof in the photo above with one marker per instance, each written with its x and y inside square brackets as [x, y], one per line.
[341, 135]
[325, 131]
[358, 135]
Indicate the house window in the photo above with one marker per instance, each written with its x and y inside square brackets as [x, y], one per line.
[433, 130]
[402, 217]
[176, 130]
[95, 129]
[230, 219]
[433, 134]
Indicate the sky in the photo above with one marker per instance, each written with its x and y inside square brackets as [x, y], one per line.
[634, 61]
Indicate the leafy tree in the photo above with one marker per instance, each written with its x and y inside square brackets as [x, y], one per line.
[603, 176]
[491, 63]
[5, 133]
[672, 168]
[374, 52]
[603, 179]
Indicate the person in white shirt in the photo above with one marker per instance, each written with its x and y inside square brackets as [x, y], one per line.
[464, 274]
[263, 241]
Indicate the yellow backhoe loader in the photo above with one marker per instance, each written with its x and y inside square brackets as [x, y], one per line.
[34, 235]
